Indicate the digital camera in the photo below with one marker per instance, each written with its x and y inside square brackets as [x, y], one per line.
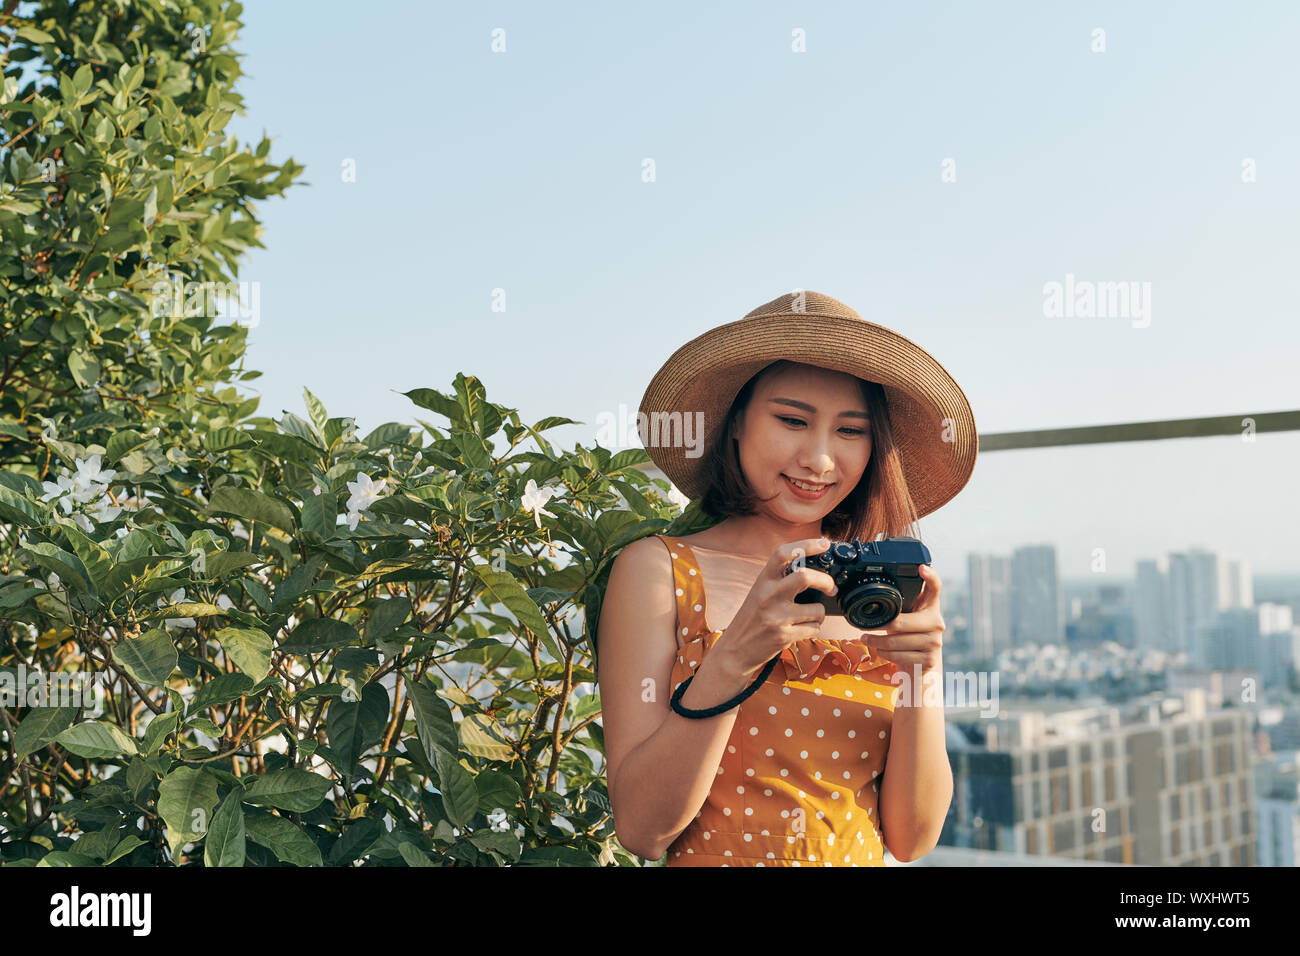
[877, 580]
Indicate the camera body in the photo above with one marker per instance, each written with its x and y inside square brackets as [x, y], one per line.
[877, 580]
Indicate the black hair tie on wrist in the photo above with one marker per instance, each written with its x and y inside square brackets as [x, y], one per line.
[725, 705]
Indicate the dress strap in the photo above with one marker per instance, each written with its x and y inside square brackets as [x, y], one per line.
[688, 584]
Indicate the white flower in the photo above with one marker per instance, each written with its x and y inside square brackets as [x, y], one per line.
[416, 460]
[676, 497]
[535, 499]
[61, 486]
[105, 511]
[89, 473]
[365, 492]
[84, 523]
[224, 602]
[177, 597]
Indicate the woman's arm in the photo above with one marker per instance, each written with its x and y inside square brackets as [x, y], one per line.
[917, 787]
[660, 765]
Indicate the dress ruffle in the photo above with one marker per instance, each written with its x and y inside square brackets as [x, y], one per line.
[845, 657]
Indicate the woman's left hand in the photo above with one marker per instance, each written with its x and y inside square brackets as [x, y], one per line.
[915, 637]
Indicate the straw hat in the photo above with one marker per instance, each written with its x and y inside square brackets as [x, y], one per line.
[934, 428]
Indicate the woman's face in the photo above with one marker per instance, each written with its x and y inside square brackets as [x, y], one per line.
[805, 423]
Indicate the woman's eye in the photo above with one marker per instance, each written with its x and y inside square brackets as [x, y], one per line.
[800, 421]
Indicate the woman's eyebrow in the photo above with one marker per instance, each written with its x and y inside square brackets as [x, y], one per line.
[853, 413]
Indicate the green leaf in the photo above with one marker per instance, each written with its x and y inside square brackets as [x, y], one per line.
[67, 858]
[456, 784]
[353, 727]
[480, 736]
[320, 514]
[85, 370]
[320, 634]
[68, 567]
[122, 849]
[288, 789]
[250, 649]
[355, 842]
[281, 837]
[35, 35]
[316, 410]
[501, 587]
[225, 842]
[186, 797]
[39, 727]
[250, 505]
[149, 658]
[96, 739]
[219, 690]
[158, 729]
[433, 719]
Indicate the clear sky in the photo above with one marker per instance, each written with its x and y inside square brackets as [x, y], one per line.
[522, 171]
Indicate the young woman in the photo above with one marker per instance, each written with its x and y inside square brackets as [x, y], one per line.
[820, 426]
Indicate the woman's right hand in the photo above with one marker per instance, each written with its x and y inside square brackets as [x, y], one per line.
[770, 619]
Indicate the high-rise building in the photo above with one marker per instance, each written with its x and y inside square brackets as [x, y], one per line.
[990, 604]
[1236, 586]
[1037, 610]
[1193, 600]
[1153, 616]
[1159, 791]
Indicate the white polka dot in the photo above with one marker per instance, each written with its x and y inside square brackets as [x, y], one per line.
[749, 837]
[769, 751]
[753, 731]
[882, 735]
[802, 794]
[847, 858]
[848, 693]
[811, 858]
[699, 607]
[785, 813]
[785, 773]
[749, 771]
[679, 592]
[874, 774]
[817, 691]
[830, 838]
[692, 571]
[720, 770]
[803, 754]
[740, 790]
[707, 835]
[748, 810]
[864, 755]
[785, 690]
[767, 793]
[879, 694]
[818, 774]
[846, 775]
[771, 710]
[852, 733]
[835, 794]
[815, 656]
[836, 711]
[726, 811]
[771, 855]
[726, 853]
[788, 732]
[804, 711]
[731, 749]
[821, 733]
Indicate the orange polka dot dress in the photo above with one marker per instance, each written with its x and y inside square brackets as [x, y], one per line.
[797, 785]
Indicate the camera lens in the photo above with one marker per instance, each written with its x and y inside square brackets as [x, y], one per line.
[871, 602]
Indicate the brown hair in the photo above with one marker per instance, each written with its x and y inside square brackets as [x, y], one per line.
[880, 504]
